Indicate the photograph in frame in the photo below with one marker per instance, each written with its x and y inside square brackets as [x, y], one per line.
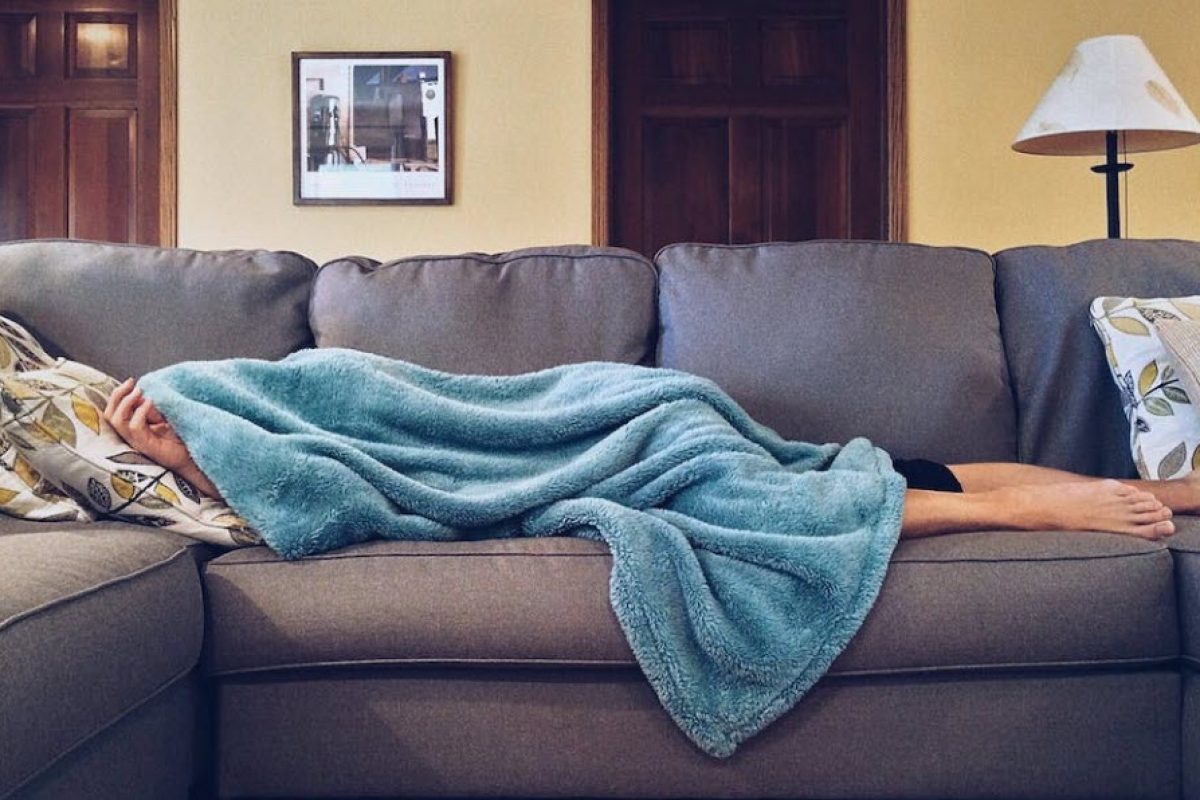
[371, 128]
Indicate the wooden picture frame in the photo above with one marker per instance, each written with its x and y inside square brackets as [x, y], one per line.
[371, 128]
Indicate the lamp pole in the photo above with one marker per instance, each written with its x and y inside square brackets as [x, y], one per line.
[1111, 169]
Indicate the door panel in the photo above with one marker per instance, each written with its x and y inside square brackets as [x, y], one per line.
[101, 45]
[85, 76]
[798, 51]
[18, 38]
[688, 53]
[805, 180]
[685, 180]
[16, 140]
[747, 121]
[102, 175]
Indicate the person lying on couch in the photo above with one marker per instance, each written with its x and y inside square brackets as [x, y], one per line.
[939, 499]
[742, 563]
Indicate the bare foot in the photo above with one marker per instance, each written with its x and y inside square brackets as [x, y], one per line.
[1107, 505]
[1181, 495]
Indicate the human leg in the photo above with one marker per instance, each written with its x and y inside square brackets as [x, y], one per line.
[1098, 505]
[1181, 495]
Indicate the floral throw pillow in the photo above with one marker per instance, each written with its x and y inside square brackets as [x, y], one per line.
[1182, 340]
[1164, 424]
[24, 492]
[55, 418]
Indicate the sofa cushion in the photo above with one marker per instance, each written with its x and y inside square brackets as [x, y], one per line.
[1069, 411]
[825, 341]
[151, 752]
[491, 314]
[128, 309]
[1002, 599]
[94, 620]
[1185, 547]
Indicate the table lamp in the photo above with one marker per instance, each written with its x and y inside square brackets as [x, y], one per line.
[1110, 93]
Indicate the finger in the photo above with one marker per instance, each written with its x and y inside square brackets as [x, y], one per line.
[137, 422]
[118, 394]
[153, 415]
[126, 407]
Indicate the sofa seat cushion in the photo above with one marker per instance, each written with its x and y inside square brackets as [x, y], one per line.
[94, 621]
[491, 314]
[825, 341]
[998, 599]
[1185, 547]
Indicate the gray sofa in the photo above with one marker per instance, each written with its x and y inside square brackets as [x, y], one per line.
[1000, 664]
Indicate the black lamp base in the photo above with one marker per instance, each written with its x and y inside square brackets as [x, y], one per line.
[1111, 168]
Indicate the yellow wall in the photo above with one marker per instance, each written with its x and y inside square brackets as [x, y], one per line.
[522, 123]
[522, 107]
[976, 70]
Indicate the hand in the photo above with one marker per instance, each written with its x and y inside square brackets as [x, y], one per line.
[132, 415]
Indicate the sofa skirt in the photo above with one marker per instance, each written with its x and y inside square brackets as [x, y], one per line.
[460, 732]
[1191, 732]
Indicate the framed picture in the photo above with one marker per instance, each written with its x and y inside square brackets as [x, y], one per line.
[371, 128]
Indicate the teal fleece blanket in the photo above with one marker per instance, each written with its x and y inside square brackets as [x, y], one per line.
[742, 563]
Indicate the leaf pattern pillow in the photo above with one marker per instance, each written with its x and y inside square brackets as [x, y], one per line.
[1164, 425]
[1182, 340]
[24, 492]
[54, 417]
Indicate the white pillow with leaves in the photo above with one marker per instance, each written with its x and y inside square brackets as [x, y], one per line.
[1164, 424]
[24, 492]
[54, 416]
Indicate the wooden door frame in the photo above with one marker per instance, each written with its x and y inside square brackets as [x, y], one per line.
[895, 119]
[168, 123]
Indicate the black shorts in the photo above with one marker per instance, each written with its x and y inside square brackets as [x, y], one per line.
[931, 475]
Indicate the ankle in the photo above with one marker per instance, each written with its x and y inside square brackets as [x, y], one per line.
[1019, 508]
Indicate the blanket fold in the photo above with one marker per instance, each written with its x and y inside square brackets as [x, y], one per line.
[742, 563]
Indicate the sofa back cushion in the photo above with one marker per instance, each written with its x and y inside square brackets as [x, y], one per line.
[491, 314]
[1068, 406]
[825, 341]
[129, 309]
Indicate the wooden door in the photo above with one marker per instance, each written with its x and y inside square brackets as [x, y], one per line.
[747, 120]
[80, 120]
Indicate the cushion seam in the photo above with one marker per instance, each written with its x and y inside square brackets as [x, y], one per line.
[1050, 559]
[96, 731]
[1010, 666]
[89, 590]
[484, 258]
[776, 245]
[371, 265]
[1164, 660]
[349, 556]
[253, 250]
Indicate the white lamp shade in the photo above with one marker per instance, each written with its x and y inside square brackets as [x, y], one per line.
[1110, 83]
